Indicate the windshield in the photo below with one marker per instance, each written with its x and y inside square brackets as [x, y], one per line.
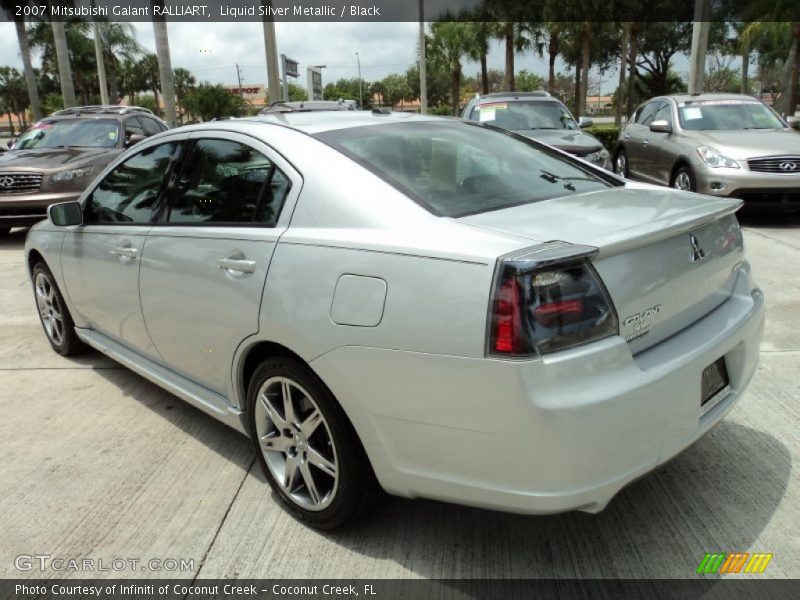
[518, 116]
[727, 115]
[95, 133]
[456, 169]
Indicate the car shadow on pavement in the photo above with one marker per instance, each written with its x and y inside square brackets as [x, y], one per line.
[769, 219]
[16, 237]
[718, 496]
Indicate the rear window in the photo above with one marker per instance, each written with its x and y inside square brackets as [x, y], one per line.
[457, 169]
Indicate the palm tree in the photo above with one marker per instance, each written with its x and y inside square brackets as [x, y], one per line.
[451, 41]
[777, 33]
[481, 34]
[25, 52]
[184, 83]
[165, 66]
[119, 43]
[64, 69]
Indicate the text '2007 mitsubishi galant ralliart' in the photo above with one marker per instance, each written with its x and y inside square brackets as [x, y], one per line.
[424, 306]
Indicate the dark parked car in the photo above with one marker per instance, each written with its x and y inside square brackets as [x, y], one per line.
[59, 156]
[539, 116]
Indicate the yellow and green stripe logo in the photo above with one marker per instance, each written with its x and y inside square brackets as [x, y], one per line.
[734, 562]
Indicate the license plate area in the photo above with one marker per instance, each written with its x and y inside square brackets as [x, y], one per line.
[714, 386]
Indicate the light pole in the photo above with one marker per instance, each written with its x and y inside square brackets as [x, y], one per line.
[360, 92]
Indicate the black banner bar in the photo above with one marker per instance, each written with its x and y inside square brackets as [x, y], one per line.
[393, 589]
[392, 10]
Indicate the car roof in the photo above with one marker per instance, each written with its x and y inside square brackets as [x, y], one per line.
[708, 96]
[321, 121]
[514, 97]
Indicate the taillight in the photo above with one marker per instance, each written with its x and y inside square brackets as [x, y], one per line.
[547, 300]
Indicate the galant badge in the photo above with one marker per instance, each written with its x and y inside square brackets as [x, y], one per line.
[698, 253]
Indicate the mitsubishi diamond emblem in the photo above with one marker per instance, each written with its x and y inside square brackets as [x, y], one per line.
[698, 253]
[6, 181]
[789, 166]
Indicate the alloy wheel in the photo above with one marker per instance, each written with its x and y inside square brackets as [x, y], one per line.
[49, 308]
[683, 182]
[296, 443]
[621, 164]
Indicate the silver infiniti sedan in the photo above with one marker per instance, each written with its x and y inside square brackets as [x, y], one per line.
[726, 145]
[420, 305]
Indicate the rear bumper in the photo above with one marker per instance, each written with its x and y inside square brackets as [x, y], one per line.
[27, 209]
[566, 432]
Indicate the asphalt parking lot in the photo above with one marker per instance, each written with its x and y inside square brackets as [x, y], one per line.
[99, 463]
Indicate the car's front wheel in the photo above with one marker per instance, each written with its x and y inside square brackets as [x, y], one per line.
[307, 448]
[53, 313]
[683, 179]
[621, 163]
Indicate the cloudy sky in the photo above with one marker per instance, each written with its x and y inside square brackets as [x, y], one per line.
[211, 50]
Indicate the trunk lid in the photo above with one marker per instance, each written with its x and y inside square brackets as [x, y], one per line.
[666, 257]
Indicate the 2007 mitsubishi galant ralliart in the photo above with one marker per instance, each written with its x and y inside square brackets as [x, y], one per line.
[422, 305]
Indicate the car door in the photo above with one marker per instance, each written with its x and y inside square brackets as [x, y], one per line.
[662, 149]
[648, 155]
[204, 265]
[100, 258]
[636, 140]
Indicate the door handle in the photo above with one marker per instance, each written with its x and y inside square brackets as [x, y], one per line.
[125, 251]
[627, 136]
[646, 143]
[237, 266]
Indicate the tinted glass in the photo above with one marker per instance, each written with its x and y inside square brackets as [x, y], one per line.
[132, 126]
[102, 133]
[525, 115]
[647, 112]
[151, 126]
[225, 182]
[455, 169]
[664, 113]
[129, 192]
[727, 115]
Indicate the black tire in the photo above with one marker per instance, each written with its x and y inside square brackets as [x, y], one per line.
[4, 231]
[356, 490]
[67, 343]
[621, 154]
[684, 173]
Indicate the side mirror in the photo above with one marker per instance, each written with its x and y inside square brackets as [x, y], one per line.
[661, 127]
[793, 122]
[584, 122]
[133, 138]
[66, 213]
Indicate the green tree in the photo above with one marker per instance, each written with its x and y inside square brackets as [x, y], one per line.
[529, 82]
[208, 102]
[395, 89]
[451, 41]
[184, 84]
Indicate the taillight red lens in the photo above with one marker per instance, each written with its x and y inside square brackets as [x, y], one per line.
[507, 318]
[562, 312]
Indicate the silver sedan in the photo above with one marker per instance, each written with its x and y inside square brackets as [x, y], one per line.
[417, 305]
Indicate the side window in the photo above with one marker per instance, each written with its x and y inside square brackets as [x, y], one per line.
[151, 126]
[228, 182]
[664, 113]
[129, 192]
[646, 113]
[132, 125]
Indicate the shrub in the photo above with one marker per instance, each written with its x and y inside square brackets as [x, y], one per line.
[607, 134]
